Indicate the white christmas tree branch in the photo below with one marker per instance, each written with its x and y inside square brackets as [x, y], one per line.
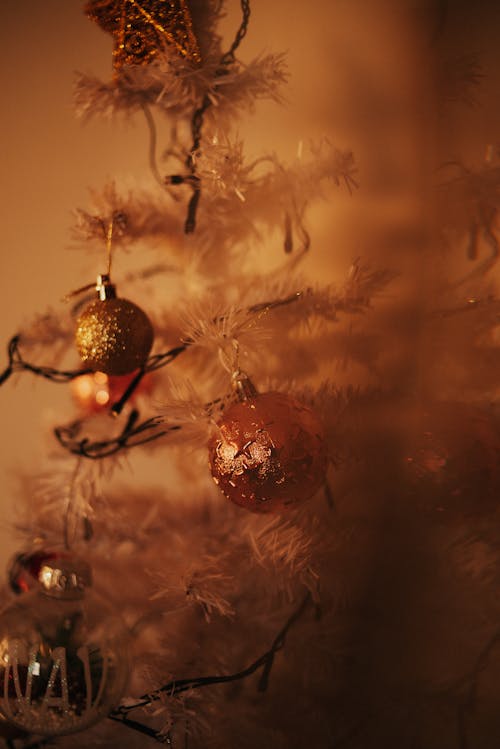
[178, 686]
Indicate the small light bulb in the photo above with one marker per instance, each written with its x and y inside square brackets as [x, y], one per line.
[102, 397]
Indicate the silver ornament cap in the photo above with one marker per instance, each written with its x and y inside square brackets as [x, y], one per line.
[66, 577]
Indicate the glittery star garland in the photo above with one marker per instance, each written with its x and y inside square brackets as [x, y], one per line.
[141, 29]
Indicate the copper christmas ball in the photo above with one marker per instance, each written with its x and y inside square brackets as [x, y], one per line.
[114, 336]
[268, 453]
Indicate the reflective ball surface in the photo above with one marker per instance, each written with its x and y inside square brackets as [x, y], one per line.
[268, 453]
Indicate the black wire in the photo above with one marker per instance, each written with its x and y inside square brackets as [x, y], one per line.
[117, 407]
[130, 436]
[133, 434]
[135, 725]
[17, 363]
[197, 121]
[172, 688]
[229, 56]
[156, 361]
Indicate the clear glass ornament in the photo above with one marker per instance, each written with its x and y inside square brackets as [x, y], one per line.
[64, 659]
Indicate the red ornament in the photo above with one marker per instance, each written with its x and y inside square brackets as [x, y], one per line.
[25, 567]
[96, 391]
[268, 453]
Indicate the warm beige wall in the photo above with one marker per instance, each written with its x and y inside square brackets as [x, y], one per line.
[48, 161]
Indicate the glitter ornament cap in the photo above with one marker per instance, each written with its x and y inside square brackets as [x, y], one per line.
[243, 386]
[105, 289]
[113, 335]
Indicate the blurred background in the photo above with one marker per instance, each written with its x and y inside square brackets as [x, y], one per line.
[371, 75]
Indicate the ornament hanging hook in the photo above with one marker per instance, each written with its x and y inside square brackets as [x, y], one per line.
[109, 244]
[236, 356]
[241, 383]
[108, 236]
[230, 360]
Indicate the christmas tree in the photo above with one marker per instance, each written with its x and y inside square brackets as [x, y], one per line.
[262, 509]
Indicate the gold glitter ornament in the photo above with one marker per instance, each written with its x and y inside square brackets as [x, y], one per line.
[113, 335]
[269, 452]
[141, 28]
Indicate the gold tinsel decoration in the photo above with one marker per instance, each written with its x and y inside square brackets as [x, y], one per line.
[141, 28]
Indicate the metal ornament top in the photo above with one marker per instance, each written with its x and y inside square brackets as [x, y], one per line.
[141, 28]
[65, 577]
[104, 288]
